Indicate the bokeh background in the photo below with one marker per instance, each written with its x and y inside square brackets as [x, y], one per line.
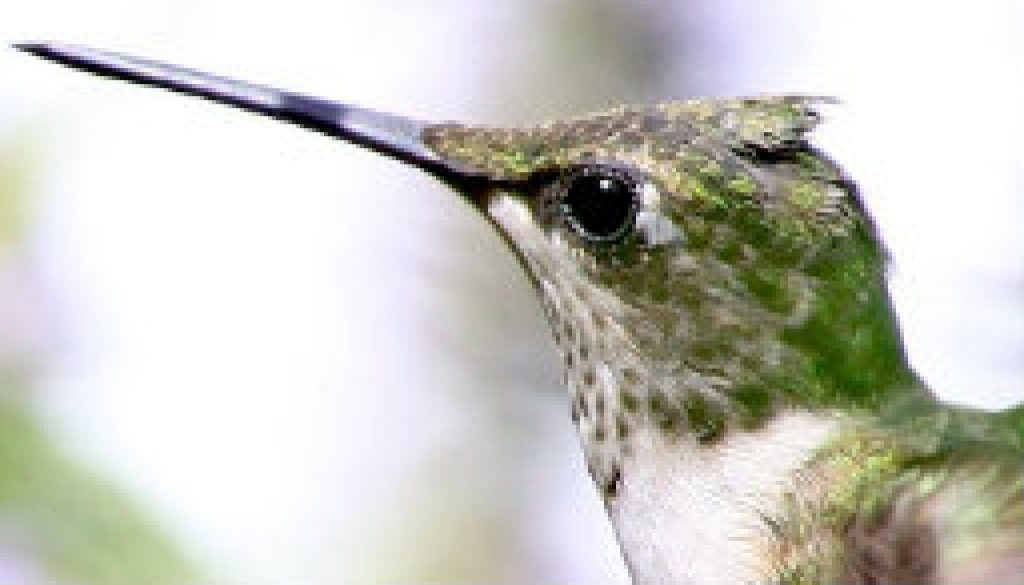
[232, 351]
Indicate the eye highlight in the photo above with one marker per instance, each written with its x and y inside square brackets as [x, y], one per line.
[598, 202]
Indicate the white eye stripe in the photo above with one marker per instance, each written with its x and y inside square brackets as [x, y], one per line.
[650, 197]
[650, 223]
[656, 229]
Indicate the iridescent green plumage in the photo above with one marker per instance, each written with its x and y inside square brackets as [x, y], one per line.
[771, 229]
[772, 299]
[926, 494]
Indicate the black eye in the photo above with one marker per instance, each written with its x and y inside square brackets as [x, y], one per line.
[599, 203]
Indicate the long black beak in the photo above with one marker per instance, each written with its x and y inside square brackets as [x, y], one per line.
[394, 136]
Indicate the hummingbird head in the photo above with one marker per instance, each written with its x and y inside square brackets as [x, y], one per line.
[702, 266]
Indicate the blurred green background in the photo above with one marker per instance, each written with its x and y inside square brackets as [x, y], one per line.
[235, 352]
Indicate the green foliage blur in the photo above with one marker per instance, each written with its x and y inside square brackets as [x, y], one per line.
[59, 522]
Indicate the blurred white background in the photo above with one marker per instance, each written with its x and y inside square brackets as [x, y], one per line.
[312, 365]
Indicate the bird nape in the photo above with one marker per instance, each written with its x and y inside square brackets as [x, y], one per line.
[733, 363]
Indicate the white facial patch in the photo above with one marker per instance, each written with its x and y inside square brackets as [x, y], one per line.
[654, 226]
[650, 197]
[656, 229]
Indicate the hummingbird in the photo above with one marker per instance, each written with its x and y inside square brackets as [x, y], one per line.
[734, 367]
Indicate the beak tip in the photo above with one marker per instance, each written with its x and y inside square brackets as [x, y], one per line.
[39, 49]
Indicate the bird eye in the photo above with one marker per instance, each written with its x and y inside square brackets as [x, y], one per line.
[599, 203]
